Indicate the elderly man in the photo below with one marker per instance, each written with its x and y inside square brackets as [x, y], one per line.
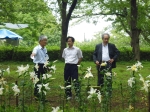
[105, 52]
[39, 56]
[73, 57]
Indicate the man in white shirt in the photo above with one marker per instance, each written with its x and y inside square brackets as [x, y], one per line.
[40, 56]
[73, 57]
[105, 52]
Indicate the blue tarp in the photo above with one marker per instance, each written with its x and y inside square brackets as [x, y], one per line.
[7, 34]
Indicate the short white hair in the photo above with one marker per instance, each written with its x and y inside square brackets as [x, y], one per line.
[42, 37]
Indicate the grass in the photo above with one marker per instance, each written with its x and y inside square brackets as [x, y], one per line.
[56, 94]
[122, 74]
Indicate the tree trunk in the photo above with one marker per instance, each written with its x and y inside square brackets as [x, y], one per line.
[135, 32]
[64, 28]
[65, 21]
[135, 44]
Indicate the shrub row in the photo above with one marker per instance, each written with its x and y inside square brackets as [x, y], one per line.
[23, 54]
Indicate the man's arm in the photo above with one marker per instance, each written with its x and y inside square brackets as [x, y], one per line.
[34, 52]
[95, 55]
[116, 52]
[79, 61]
[63, 54]
[80, 56]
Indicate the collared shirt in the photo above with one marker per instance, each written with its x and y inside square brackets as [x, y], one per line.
[40, 54]
[72, 55]
[105, 53]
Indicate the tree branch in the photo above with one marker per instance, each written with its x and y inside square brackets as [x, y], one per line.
[145, 37]
[97, 14]
[73, 5]
[59, 4]
[123, 25]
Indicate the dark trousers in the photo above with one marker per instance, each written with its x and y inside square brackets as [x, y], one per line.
[71, 73]
[100, 81]
[39, 74]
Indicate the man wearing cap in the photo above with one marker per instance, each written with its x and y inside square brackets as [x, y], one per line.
[105, 52]
[40, 56]
[73, 57]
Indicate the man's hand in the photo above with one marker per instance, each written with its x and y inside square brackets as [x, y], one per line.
[80, 59]
[97, 63]
[111, 60]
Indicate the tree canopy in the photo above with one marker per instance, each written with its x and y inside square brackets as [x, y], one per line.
[36, 14]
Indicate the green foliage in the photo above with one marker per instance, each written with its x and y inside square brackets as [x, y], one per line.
[36, 14]
[23, 53]
[56, 96]
[6, 53]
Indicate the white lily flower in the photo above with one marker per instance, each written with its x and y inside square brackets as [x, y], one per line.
[46, 86]
[44, 92]
[132, 68]
[91, 92]
[2, 82]
[131, 81]
[62, 87]
[16, 89]
[145, 85]
[56, 109]
[115, 74]
[103, 64]
[35, 79]
[46, 63]
[55, 61]
[148, 76]
[99, 96]
[135, 67]
[108, 74]
[89, 69]
[36, 67]
[1, 90]
[79, 65]
[39, 87]
[139, 65]
[131, 107]
[69, 86]
[88, 75]
[22, 69]
[45, 76]
[141, 78]
[48, 75]
[8, 70]
[53, 67]
[32, 75]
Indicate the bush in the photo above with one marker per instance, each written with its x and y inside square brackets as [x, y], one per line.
[9, 53]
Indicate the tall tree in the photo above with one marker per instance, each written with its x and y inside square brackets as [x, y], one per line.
[65, 19]
[65, 9]
[135, 31]
[35, 13]
[125, 15]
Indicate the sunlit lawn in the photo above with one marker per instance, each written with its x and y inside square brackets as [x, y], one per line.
[121, 79]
